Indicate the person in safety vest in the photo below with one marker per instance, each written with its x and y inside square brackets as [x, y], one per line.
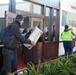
[67, 40]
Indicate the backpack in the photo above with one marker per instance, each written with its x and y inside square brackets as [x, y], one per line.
[5, 34]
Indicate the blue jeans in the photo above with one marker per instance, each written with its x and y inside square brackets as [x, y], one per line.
[68, 47]
[10, 58]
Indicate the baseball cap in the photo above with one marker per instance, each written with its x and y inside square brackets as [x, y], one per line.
[19, 17]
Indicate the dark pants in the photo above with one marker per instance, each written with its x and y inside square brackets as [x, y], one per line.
[68, 47]
[10, 58]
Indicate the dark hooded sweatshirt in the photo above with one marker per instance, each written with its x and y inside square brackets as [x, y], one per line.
[16, 37]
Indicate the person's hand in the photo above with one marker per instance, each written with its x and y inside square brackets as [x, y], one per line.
[31, 29]
[33, 43]
[41, 33]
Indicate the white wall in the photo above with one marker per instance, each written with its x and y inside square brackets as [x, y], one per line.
[66, 5]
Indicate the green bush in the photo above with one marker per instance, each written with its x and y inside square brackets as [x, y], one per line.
[65, 65]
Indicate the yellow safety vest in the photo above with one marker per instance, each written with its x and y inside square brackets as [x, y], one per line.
[67, 36]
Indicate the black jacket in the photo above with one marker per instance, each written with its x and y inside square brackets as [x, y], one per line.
[16, 37]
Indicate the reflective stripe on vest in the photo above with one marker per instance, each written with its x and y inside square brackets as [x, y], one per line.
[67, 36]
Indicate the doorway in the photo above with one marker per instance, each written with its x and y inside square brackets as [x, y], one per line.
[37, 22]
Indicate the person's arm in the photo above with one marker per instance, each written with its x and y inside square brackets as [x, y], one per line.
[73, 33]
[61, 36]
[16, 31]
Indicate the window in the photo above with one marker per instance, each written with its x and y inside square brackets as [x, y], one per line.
[46, 27]
[23, 5]
[4, 2]
[37, 24]
[10, 20]
[37, 9]
[55, 25]
[4, 5]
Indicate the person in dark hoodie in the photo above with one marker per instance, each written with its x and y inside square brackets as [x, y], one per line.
[67, 40]
[9, 50]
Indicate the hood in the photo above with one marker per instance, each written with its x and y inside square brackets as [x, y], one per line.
[65, 30]
[17, 22]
